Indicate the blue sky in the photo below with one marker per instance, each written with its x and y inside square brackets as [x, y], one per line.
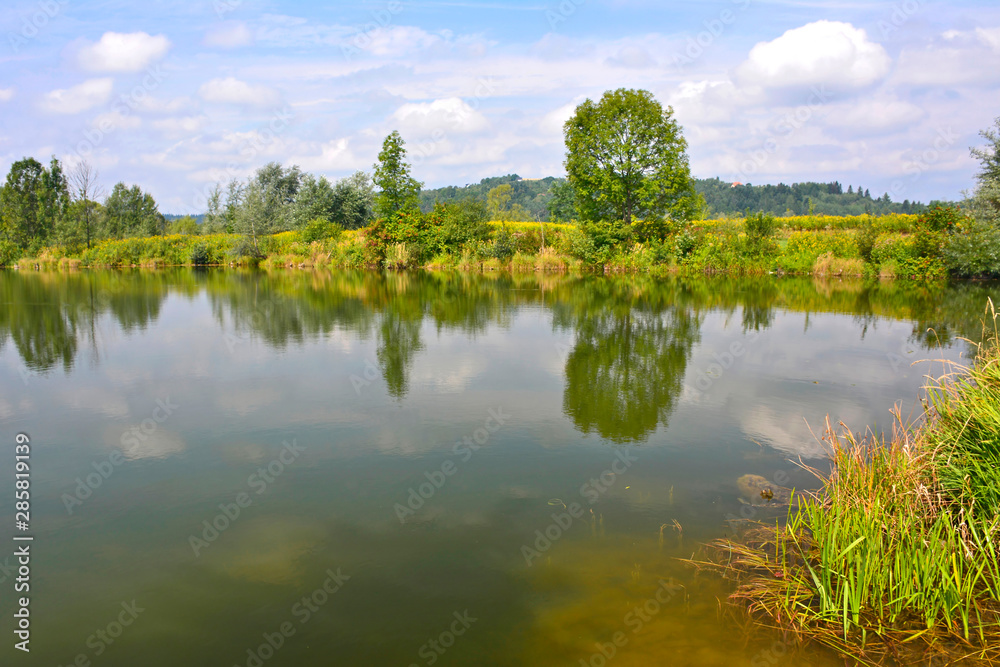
[176, 96]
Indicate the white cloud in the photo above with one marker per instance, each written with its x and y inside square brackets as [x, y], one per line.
[450, 115]
[180, 126]
[824, 52]
[122, 52]
[79, 98]
[113, 120]
[229, 35]
[233, 91]
[879, 113]
[990, 37]
[6, 94]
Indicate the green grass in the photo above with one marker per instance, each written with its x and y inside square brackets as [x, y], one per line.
[898, 555]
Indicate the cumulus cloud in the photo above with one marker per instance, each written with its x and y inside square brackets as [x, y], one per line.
[450, 115]
[229, 35]
[122, 52]
[79, 98]
[821, 53]
[233, 91]
[6, 94]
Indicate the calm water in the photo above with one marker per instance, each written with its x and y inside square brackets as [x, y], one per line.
[435, 450]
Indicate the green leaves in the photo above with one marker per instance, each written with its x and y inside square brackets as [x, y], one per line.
[626, 158]
[398, 191]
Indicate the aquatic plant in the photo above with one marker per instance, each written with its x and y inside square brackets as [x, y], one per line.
[898, 555]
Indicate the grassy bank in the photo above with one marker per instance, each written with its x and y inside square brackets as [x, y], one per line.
[897, 557]
[889, 246]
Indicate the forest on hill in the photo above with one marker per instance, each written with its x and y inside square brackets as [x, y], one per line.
[541, 199]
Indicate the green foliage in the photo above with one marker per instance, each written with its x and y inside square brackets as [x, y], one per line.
[130, 212]
[760, 229]
[968, 428]
[33, 201]
[599, 239]
[626, 158]
[989, 155]
[9, 253]
[865, 238]
[398, 192]
[200, 255]
[461, 224]
[974, 250]
[562, 206]
[504, 245]
[353, 201]
[320, 229]
[185, 225]
[820, 199]
[414, 230]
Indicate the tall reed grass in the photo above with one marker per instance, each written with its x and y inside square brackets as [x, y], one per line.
[897, 557]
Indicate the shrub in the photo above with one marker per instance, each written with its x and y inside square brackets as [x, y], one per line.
[200, 255]
[973, 252]
[503, 246]
[604, 239]
[319, 229]
[866, 237]
[9, 253]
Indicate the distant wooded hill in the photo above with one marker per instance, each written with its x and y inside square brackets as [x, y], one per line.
[723, 198]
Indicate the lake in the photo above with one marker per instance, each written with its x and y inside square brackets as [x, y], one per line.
[351, 468]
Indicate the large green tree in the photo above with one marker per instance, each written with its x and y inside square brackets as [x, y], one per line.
[33, 201]
[626, 158]
[398, 192]
[128, 211]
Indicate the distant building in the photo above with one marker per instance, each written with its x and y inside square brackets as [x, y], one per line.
[735, 184]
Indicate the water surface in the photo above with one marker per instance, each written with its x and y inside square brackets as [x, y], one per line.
[436, 449]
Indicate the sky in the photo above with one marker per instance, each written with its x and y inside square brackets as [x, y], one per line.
[178, 96]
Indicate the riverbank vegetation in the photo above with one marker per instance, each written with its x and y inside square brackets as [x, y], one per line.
[640, 213]
[898, 555]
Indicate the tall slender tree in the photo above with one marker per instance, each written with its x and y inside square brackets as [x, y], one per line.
[398, 191]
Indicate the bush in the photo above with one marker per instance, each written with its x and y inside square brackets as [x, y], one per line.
[200, 255]
[9, 253]
[865, 238]
[974, 252]
[893, 248]
[503, 246]
[320, 229]
[604, 238]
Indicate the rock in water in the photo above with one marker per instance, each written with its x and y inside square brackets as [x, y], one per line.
[758, 490]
